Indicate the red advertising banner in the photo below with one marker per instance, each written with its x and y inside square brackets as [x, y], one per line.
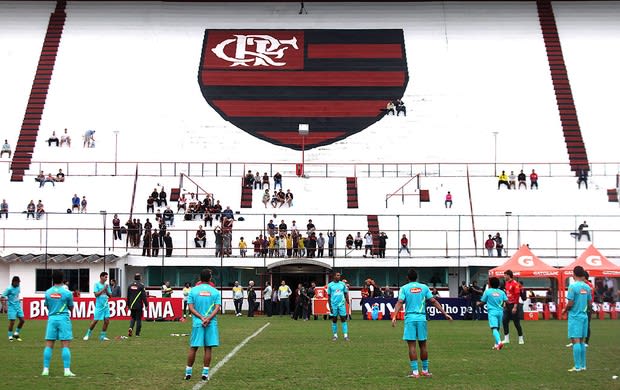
[83, 308]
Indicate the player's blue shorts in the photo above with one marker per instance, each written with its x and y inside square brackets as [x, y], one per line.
[577, 327]
[59, 328]
[102, 314]
[495, 319]
[335, 311]
[205, 336]
[415, 330]
[15, 313]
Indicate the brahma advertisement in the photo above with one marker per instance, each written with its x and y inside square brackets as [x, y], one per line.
[83, 309]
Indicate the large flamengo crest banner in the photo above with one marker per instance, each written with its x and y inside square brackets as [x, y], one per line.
[267, 82]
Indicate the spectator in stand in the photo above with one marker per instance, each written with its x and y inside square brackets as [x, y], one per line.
[256, 244]
[217, 210]
[358, 241]
[75, 203]
[512, 180]
[201, 236]
[208, 218]
[155, 243]
[243, 247]
[265, 181]
[288, 198]
[310, 228]
[582, 230]
[277, 180]
[169, 216]
[404, 244]
[258, 181]
[320, 244]
[6, 148]
[390, 108]
[489, 244]
[40, 210]
[115, 288]
[53, 139]
[301, 244]
[281, 198]
[331, 243]
[168, 244]
[163, 197]
[368, 244]
[30, 209]
[48, 179]
[60, 177]
[502, 179]
[282, 245]
[400, 107]
[448, 202]
[182, 204]
[162, 232]
[155, 196]
[65, 139]
[271, 227]
[382, 244]
[150, 204]
[266, 198]
[533, 180]
[583, 178]
[83, 204]
[89, 139]
[349, 241]
[116, 227]
[4, 209]
[228, 213]
[248, 181]
[146, 243]
[158, 215]
[272, 245]
[522, 180]
[499, 245]
[282, 228]
[40, 178]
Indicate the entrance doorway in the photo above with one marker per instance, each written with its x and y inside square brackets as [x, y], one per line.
[294, 274]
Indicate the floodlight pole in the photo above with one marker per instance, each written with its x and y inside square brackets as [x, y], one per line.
[104, 214]
[115, 151]
[495, 133]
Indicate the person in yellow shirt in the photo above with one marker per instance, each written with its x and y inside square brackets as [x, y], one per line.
[272, 245]
[503, 179]
[243, 247]
[302, 246]
[237, 291]
[289, 245]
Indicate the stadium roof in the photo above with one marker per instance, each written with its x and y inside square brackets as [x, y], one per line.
[40, 258]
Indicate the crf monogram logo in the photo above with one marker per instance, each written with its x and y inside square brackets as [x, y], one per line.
[267, 49]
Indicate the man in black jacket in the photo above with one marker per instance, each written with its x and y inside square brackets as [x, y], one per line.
[251, 299]
[136, 300]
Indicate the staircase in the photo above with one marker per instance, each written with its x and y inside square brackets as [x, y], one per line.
[373, 227]
[246, 196]
[36, 102]
[352, 193]
[577, 155]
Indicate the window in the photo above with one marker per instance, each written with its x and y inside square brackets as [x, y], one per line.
[79, 279]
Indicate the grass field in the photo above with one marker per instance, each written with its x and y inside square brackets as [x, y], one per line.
[291, 354]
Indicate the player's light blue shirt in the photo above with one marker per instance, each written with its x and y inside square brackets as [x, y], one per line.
[12, 296]
[494, 298]
[581, 294]
[336, 291]
[414, 295]
[58, 301]
[204, 297]
[102, 300]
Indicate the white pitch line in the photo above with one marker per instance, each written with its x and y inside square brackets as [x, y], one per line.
[230, 355]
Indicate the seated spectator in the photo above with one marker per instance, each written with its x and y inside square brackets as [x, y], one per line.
[75, 203]
[228, 213]
[512, 180]
[390, 108]
[400, 107]
[6, 148]
[349, 241]
[271, 227]
[60, 177]
[217, 210]
[40, 210]
[266, 198]
[502, 179]
[310, 228]
[582, 230]
[274, 198]
[48, 179]
[265, 180]
[208, 218]
[169, 216]
[40, 178]
[158, 215]
[277, 180]
[163, 197]
[288, 198]
[294, 229]
[249, 179]
[522, 180]
[201, 236]
[155, 196]
[83, 204]
[281, 198]
[448, 201]
[150, 204]
[53, 139]
[4, 209]
[282, 227]
[358, 241]
[182, 204]
[30, 209]
[583, 177]
[258, 181]
[65, 139]
[89, 139]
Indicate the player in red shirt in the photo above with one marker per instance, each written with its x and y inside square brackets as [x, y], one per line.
[513, 309]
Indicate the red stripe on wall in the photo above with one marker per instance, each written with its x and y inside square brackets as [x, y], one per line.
[301, 108]
[302, 79]
[337, 50]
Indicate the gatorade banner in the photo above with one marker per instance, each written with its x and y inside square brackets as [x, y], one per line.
[83, 309]
[458, 308]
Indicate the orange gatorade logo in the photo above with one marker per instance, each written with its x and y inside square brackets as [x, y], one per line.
[416, 290]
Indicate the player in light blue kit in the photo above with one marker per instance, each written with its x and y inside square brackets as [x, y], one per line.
[11, 294]
[204, 303]
[102, 292]
[579, 299]
[59, 303]
[337, 298]
[495, 300]
[414, 296]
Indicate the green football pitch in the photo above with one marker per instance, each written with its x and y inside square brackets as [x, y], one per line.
[289, 354]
